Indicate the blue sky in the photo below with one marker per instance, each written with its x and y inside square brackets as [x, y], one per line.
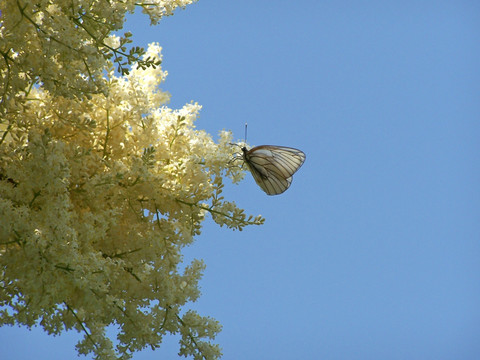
[374, 251]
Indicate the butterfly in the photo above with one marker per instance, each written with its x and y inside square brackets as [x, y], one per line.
[272, 166]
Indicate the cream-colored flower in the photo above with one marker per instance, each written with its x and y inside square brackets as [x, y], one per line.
[101, 184]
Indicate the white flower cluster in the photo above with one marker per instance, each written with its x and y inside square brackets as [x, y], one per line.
[156, 9]
[64, 46]
[101, 190]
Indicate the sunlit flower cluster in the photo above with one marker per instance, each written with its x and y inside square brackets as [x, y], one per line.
[101, 184]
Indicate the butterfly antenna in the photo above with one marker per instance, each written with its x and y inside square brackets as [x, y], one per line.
[245, 133]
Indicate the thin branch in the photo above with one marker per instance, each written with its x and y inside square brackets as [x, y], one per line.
[190, 336]
[35, 195]
[49, 36]
[216, 212]
[106, 135]
[5, 133]
[81, 324]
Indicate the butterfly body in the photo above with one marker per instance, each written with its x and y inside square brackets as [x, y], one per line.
[273, 166]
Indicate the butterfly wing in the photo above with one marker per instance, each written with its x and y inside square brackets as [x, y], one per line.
[271, 184]
[272, 166]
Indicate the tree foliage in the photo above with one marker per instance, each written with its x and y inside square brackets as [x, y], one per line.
[101, 184]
